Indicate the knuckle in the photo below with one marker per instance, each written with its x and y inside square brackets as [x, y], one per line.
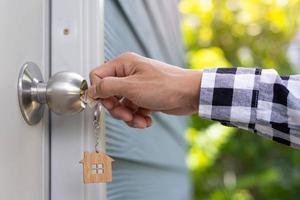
[130, 124]
[107, 104]
[93, 73]
[115, 113]
[102, 84]
[128, 55]
[100, 88]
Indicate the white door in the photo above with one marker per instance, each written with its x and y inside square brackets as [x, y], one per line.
[41, 162]
[77, 46]
[24, 149]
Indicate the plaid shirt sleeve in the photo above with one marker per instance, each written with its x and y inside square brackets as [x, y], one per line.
[254, 99]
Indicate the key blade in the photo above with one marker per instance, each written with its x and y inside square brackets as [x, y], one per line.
[86, 99]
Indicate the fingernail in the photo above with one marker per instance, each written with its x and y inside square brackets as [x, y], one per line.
[136, 125]
[92, 91]
[128, 117]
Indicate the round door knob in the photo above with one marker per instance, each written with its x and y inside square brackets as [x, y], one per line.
[62, 93]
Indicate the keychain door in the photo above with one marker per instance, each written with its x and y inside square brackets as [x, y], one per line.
[77, 46]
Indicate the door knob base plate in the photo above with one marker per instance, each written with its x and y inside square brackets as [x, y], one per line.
[30, 77]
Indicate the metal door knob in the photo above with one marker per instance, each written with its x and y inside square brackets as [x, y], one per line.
[62, 93]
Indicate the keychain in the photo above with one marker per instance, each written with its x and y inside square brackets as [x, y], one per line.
[97, 166]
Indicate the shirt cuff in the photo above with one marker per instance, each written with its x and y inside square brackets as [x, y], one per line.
[230, 95]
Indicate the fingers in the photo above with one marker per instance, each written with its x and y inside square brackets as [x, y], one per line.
[108, 87]
[104, 70]
[110, 81]
[134, 108]
[144, 111]
[132, 119]
[140, 121]
[122, 113]
[118, 67]
[110, 102]
[128, 112]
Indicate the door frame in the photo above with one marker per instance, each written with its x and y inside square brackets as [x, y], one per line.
[77, 45]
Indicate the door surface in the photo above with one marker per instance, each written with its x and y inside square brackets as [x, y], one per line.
[77, 46]
[23, 149]
[41, 162]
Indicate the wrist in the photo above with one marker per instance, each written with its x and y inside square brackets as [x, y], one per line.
[193, 85]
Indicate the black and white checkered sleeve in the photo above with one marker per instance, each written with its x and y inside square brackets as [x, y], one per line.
[253, 99]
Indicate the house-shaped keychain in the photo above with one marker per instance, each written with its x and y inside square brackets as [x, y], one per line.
[96, 167]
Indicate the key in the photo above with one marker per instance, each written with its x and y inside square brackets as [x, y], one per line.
[87, 100]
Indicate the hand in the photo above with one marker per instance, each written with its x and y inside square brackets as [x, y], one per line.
[131, 87]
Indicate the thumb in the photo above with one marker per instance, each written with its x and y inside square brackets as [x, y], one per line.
[108, 87]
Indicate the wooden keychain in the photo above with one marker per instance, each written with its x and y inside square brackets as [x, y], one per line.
[97, 166]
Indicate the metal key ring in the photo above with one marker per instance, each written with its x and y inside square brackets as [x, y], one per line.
[97, 116]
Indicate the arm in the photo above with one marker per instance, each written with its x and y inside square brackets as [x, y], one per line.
[131, 87]
[257, 100]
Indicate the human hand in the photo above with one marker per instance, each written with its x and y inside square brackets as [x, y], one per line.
[131, 87]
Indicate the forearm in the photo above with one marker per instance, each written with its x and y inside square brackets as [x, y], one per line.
[253, 99]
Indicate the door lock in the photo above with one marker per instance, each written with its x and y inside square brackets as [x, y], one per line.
[62, 93]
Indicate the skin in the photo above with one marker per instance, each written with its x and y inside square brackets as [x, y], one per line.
[131, 87]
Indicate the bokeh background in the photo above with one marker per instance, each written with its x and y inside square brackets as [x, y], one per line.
[227, 163]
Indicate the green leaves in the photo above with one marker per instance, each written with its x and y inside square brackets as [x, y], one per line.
[227, 163]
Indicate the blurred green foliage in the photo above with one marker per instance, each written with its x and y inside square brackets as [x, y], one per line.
[227, 163]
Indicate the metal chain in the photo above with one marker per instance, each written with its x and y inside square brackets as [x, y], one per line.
[97, 124]
[97, 121]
